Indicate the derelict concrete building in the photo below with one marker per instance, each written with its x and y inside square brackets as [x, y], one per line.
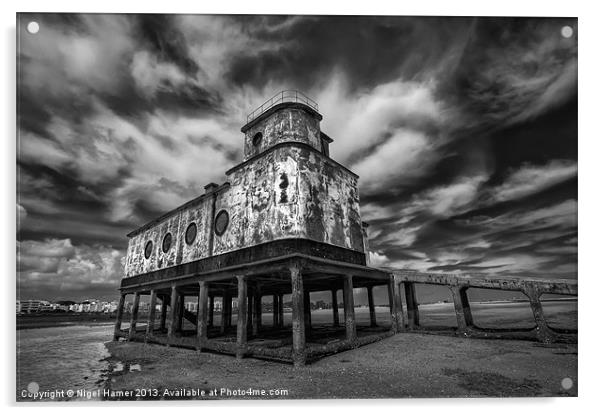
[287, 221]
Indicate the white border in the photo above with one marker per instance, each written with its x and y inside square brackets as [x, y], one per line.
[589, 192]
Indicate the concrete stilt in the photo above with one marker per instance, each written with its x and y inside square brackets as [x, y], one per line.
[134, 317]
[349, 308]
[275, 309]
[544, 334]
[257, 310]
[173, 314]
[307, 311]
[150, 325]
[241, 327]
[412, 304]
[163, 320]
[249, 311]
[180, 313]
[202, 315]
[280, 311]
[224, 313]
[371, 306]
[335, 308]
[299, 354]
[211, 311]
[461, 308]
[117, 331]
[393, 307]
[228, 309]
[399, 316]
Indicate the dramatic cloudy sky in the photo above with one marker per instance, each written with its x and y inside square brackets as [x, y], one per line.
[463, 131]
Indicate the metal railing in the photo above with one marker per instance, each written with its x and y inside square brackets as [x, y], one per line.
[289, 95]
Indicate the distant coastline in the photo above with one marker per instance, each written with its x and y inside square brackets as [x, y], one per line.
[44, 320]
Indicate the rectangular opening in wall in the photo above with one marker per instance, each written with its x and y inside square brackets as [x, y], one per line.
[435, 306]
[497, 309]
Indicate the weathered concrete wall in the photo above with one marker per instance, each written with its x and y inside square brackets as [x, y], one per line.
[329, 202]
[288, 124]
[180, 251]
[292, 191]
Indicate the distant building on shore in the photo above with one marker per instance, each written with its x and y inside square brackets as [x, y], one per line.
[42, 306]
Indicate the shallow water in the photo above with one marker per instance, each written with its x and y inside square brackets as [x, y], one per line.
[63, 358]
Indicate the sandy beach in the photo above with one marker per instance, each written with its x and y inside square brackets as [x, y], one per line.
[407, 365]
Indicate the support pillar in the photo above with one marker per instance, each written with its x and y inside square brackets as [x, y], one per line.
[134, 317]
[280, 311]
[462, 308]
[349, 308]
[173, 314]
[202, 312]
[211, 310]
[224, 313]
[119, 317]
[371, 306]
[307, 311]
[241, 327]
[164, 304]
[180, 313]
[335, 308]
[298, 323]
[275, 309]
[249, 311]
[412, 304]
[150, 325]
[257, 306]
[544, 334]
[228, 309]
[399, 316]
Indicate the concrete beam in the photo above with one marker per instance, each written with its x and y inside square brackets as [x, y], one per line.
[173, 313]
[211, 310]
[134, 317]
[412, 304]
[299, 354]
[462, 308]
[371, 306]
[150, 325]
[399, 315]
[202, 315]
[335, 308]
[241, 325]
[164, 304]
[349, 308]
[117, 330]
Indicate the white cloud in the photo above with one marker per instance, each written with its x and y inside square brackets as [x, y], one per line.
[151, 75]
[63, 63]
[405, 156]
[530, 179]
[360, 120]
[55, 265]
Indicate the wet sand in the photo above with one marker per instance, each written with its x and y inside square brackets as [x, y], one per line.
[406, 365]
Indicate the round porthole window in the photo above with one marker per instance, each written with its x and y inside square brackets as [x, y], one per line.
[148, 249]
[257, 139]
[221, 222]
[191, 233]
[166, 243]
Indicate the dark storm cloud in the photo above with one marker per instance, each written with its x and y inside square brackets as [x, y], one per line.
[463, 131]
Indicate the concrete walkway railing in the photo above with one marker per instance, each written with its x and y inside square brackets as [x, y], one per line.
[533, 288]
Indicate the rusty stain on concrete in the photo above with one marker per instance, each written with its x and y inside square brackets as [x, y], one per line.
[286, 187]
